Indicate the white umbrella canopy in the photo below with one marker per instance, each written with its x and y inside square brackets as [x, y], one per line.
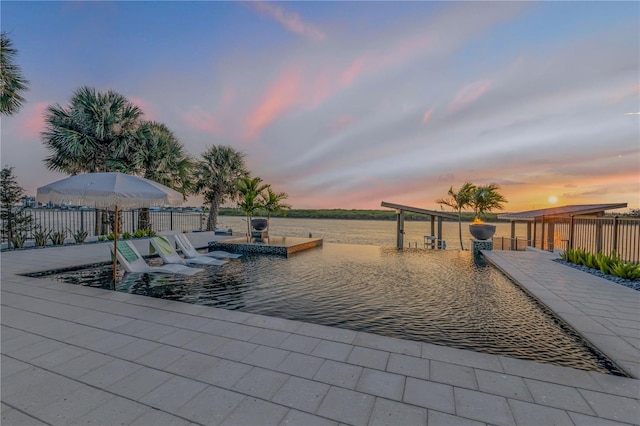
[105, 190]
[109, 190]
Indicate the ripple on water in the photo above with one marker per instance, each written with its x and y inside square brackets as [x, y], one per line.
[440, 297]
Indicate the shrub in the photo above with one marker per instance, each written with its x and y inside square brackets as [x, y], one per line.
[57, 237]
[80, 236]
[18, 239]
[41, 236]
[609, 264]
[126, 235]
[101, 238]
[110, 236]
[627, 270]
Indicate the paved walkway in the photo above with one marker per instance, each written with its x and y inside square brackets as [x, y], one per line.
[79, 355]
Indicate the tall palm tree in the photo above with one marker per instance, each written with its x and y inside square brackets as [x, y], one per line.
[216, 176]
[272, 202]
[159, 156]
[459, 200]
[97, 132]
[250, 200]
[12, 83]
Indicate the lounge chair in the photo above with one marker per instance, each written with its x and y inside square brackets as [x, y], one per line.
[132, 261]
[190, 252]
[165, 249]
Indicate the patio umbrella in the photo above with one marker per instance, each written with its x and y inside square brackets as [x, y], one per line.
[106, 190]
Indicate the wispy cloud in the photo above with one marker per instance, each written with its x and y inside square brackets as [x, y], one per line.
[32, 120]
[469, 94]
[290, 21]
[427, 115]
[203, 121]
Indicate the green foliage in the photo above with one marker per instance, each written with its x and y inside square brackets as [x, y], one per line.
[19, 238]
[627, 270]
[610, 264]
[12, 83]
[151, 233]
[79, 236]
[250, 201]
[110, 236]
[486, 198]
[140, 233]
[57, 237]
[41, 236]
[126, 235]
[15, 220]
[101, 238]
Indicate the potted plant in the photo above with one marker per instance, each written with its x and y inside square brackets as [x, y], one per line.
[484, 199]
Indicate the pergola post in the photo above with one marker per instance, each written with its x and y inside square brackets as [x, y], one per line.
[529, 234]
[439, 243]
[400, 228]
[513, 235]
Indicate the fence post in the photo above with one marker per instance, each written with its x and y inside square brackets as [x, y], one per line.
[171, 220]
[615, 234]
[598, 235]
[571, 232]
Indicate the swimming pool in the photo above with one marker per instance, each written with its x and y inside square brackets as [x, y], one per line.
[441, 297]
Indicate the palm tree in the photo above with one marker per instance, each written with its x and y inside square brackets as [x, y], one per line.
[216, 176]
[250, 200]
[272, 203]
[159, 156]
[97, 132]
[486, 198]
[12, 83]
[459, 200]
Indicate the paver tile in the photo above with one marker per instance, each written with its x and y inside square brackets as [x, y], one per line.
[109, 373]
[252, 411]
[391, 413]
[443, 419]
[483, 407]
[135, 350]
[347, 406]
[140, 383]
[265, 356]
[366, 357]
[297, 343]
[334, 334]
[301, 394]
[162, 356]
[206, 343]
[211, 406]
[173, 394]
[461, 357]
[269, 337]
[11, 366]
[298, 418]
[612, 407]
[77, 404]
[558, 396]
[260, 383]
[380, 383]
[234, 350]
[584, 420]
[14, 417]
[224, 373]
[409, 366]
[154, 417]
[429, 395]
[191, 364]
[621, 386]
[389, 344]
[503, 384]
[119, 411]
[300, 365]
[456, 375]
[241, 332]
[332, 350]
[82, 364]
[338, 374]
[178, 337]
[526, 413]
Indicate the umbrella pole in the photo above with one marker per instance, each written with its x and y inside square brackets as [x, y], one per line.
[115, 248]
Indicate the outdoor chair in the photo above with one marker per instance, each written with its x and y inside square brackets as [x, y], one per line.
[132, 261]
[163, 247]
[190, 252]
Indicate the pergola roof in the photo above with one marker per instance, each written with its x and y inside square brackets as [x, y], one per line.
[573, 210]
[420, 211]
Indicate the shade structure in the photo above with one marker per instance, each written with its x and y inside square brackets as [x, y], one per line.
[109, 190]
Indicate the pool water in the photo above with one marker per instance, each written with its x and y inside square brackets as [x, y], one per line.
[443, 297]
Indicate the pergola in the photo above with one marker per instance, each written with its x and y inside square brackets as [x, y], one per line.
[435, 215]
[546, 216]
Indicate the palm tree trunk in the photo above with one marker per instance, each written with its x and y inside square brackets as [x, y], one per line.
[460, 229]
[213, 214]
[248, 228]
[144, 219]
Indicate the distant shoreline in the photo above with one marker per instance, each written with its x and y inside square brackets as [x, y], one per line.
[384, 215]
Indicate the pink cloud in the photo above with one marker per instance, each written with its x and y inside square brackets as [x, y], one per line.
[469, 94]
[33, 123]
[427, 115]
[145, 107]
[279, 98]
[290, 21]
[355, 68]
[202, 121]
[341, 123]
[627, 92]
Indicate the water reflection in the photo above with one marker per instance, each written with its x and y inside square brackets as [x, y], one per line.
[442, 297]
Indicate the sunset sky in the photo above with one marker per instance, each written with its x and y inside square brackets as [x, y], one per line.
[347, 104]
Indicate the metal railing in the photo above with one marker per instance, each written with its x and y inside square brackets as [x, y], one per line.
[97, 222]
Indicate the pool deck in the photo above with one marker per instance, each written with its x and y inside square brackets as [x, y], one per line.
[80, 355]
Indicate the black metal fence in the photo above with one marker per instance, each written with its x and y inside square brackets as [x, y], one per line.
[97, 222]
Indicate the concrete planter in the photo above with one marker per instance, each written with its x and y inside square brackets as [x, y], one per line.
[259, 224]
[483, 231]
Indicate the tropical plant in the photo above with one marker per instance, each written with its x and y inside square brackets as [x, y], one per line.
[57, 237]
[101, 238]
[126, 235]
[15, 220]
[486, 198]
[250, 201]
[41, 236]
[216, 176]
[12, 83]
[96, 132]
[609, 264]
[272, 203]
[79, 236]
[459, 200]
[18, 239]
[626, 270]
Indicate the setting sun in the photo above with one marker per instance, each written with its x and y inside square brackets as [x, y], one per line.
[552, 199]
